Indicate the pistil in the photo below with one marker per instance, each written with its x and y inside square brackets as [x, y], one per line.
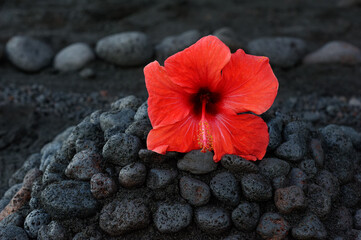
[205, 140]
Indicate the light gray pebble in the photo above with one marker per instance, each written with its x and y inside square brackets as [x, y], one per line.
[273, 226]
[246, 216]
[53, 231]
[102, 186]
[84, 165]
[34, 221]
[159, 178]
[319, 201]
[237, 164]
[273, 167]
[128, 102]
[174, 217]
[194, 191]
[87, 73]
[132, 175]
[225, 188]
[117, 118]
[256, 188]
[121, 149]
[73, 57]
[282, 51]
[173, 44]
[197, 162]
[68, 199]
[142, 112]
[125, 49]
[310, 227]
[212, 220]
[120, 217]
[28, 54]
[289, 199]
[12, 232]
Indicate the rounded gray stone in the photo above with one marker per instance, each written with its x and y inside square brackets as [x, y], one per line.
[272, 226]
[84, 165]
[308, 166]
[246, 216]
[160, 178]
[273, 167]
[256, 188]
[73, 57]
[194, 191]
[170, 218]
[213, 220]
[121, 149]
[237, 164]
[142, 112]
[197, 162]
[28, 54]
[225, 188]
[132, 175]
[310, 227]
[102, 186]
[34, 221]
[275, 126]
[289, 199]
[12, 233]
[128, 102]
[294, 149]
[298, 178]
[68, 199]
[120, 217]
[282, 51]
[118, 118]
[329, 182]
[139, 128]
[319, 201]
[53, 231]
[125, 49]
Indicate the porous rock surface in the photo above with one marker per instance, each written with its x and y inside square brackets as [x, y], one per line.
[108, 186]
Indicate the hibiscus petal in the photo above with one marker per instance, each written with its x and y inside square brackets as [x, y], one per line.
[245, 135]
[200, 65]
[166, 104]
[248, 84]
[179, 137]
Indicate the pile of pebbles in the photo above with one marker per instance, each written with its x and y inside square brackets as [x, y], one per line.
[100, 182]
[131, 49]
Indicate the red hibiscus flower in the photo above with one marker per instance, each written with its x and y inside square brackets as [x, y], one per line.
[195, 101]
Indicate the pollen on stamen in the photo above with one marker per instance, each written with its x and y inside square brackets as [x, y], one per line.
[204, 136]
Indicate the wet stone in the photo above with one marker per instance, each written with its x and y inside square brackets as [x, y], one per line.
[172, 217]
[69, 199]
[357, 219]
[84, 165]
[160, 178]
[121, 149]
[245, 217]
[197, 162]
[120, 217]
[225, 188]
[273, 167]
[310, 227]
[132, 175]
[298, 178]
[53, 231]
[319, 201]
[237, 164]
[289, 199]
[118, 118]
[275, 126]
[317, 151]
[28, 54]
[102, 186]
[12, 232]
[212, 220]
[129, 102]
[256, 188]
[196, 192]
[125, 49]
[329, 182]
[34, 221]
[272, 226]
[140, 128]
[308, 166]
[351, 194]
